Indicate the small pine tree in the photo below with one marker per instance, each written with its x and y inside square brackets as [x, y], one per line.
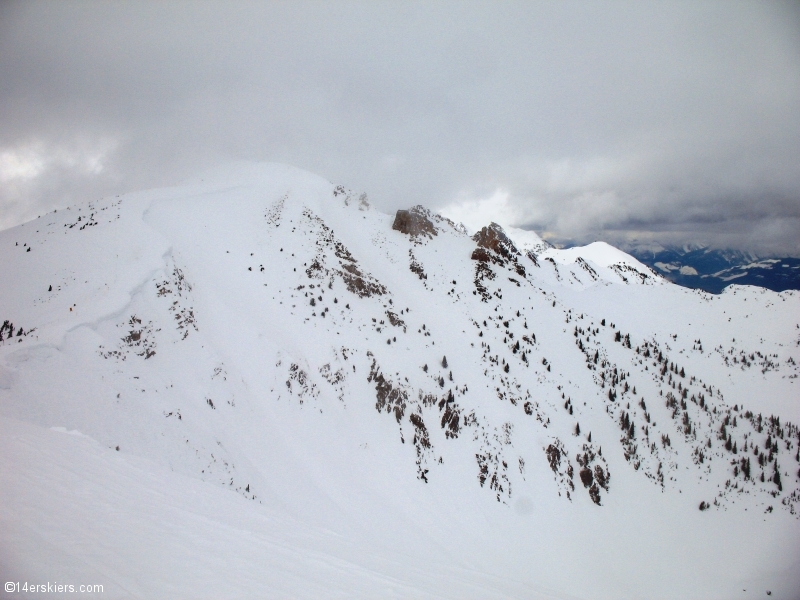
[577, 428]
[444, 362]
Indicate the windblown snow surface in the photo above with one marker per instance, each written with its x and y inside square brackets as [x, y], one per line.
[257, 386]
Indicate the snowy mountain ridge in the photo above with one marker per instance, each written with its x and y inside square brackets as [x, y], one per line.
[385, 386]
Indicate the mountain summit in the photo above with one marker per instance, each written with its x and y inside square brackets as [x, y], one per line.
[256, 384]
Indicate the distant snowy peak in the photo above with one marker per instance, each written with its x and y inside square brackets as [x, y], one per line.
[599, 253]
[609, 263]
[597, 258]
[527, 241]
[579, 267]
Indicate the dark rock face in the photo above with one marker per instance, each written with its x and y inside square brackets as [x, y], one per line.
[495, 247]
[586, 477]
[414, 222]
[494, 238]
[481, 255]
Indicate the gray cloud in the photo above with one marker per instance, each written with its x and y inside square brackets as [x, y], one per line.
[654, 122]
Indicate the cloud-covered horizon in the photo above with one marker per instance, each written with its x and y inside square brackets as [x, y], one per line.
[655, 123]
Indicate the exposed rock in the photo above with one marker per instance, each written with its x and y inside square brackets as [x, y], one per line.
[594, 494]
[494, 238]
[481, 255]
[414, 222]
[416, 266]
[531, 255]
[586, 477]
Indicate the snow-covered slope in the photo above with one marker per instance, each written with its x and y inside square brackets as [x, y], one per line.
[256, 385]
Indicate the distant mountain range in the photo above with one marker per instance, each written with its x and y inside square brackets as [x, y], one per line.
[713, 270]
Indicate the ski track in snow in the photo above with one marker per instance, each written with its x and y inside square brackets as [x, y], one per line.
[255, 384]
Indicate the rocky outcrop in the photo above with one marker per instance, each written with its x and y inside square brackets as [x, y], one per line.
[494, 246]
[414, 222]
[494, 238]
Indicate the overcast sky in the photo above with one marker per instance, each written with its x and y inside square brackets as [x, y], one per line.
[651, 121]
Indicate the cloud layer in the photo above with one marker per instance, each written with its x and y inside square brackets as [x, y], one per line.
[673, 123]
